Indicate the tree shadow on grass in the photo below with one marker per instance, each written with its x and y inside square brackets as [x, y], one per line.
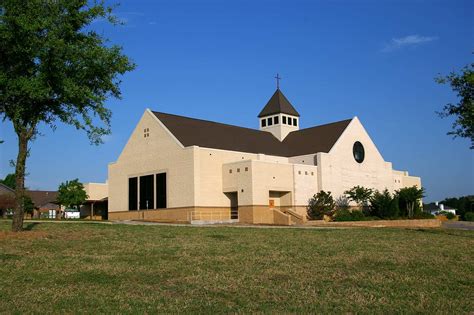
[30, 226]
[452, 232]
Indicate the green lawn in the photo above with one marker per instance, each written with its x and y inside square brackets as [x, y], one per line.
[90, 268]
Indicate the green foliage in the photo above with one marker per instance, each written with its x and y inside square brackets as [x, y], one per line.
[347, 215]
[423, 215]
[71, 194]
[9, 181]
[469, 216]
[342, 203]
[28, 204]
[409, 200]
[53, 67]
[361, 196]
[321, 204]
[384, 206]
[450, 215]
[462, 205]
[463, 85]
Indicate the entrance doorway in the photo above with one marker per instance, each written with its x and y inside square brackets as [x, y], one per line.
[234, 205]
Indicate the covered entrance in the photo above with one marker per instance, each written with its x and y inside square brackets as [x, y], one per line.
[279, 199]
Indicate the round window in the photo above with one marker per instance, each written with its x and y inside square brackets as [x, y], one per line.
[358, 151]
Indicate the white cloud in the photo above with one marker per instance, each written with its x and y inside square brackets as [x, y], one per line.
[410, 40]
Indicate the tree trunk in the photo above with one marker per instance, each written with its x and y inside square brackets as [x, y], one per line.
[18, 211]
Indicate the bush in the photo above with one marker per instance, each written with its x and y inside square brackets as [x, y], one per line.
[320, 204]
[384, 206]
[469, 216]
[342, 203]
[361, 196]
[450, 216]
[424, 215]
[347, 215]
[409, 200]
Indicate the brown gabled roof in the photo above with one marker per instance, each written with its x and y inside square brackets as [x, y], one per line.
[5, 190]
[209, 134]
[277, 104]
[42, 198]
[315, 139]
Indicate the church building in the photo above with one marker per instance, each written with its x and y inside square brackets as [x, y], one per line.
[182, 169]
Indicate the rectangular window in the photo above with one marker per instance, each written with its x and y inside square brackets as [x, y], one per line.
[294, 122]
[132, 193]
[270, 121]
[161, 191]
[264, 122]
[283, 120]
[275, 120]
[147, 200]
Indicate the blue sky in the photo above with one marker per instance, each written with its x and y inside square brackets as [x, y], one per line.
[216, 60]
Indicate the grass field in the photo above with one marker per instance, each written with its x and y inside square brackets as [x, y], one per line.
[91, 268]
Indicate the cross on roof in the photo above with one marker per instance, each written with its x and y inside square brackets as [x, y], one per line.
[278, 78]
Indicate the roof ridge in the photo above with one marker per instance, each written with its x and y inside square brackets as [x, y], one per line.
[327, 124]
[209, 121]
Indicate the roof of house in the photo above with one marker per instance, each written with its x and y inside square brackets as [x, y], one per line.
[277, 104]
[209, 134]
[42, 198]
[433, 207]
[4, 189]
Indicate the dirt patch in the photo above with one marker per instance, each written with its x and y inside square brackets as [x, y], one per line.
[24, 235]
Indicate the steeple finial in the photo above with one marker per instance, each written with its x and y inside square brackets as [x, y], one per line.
[278, 78]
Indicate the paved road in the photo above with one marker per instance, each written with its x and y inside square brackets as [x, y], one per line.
[461, 225]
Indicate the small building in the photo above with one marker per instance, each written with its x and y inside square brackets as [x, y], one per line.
[45, 203]
[182, 169]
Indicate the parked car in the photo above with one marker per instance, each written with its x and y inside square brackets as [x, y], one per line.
[72, 214]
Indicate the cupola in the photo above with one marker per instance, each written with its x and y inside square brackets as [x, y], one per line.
[279, 117]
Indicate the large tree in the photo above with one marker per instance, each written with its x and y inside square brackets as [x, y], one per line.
[409, 199]
[54, 68]
[9, 181]
[463, 85]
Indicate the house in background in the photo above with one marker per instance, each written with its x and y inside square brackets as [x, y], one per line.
[182, 169]
[7, 199]
[45, 203]
[435, 208]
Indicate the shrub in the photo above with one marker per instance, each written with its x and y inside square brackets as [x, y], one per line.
[409, 200]
[450, 216]
[342, 203]
[347, 215]
[384, 206]
[424, 215]
[469, 216]
[361, 196]
[320, 204]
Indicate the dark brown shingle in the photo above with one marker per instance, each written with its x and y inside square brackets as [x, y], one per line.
[42, 198]
[208, 134]
[277, 104]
